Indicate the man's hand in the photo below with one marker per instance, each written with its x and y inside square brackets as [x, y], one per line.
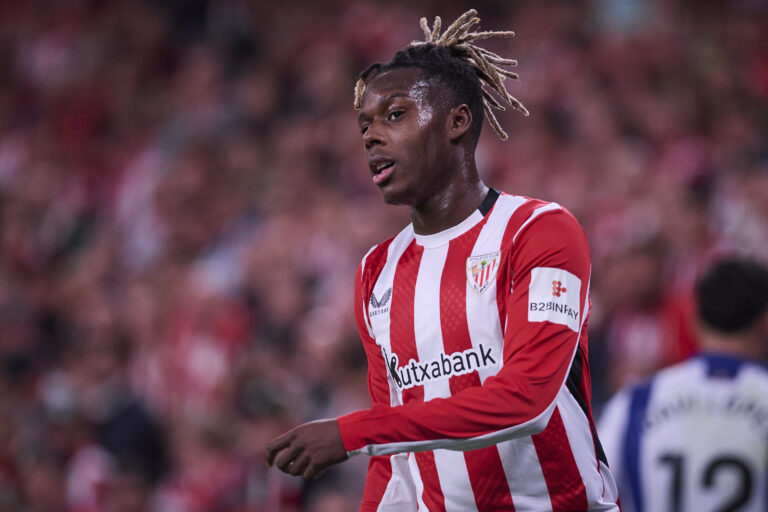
[308, 449]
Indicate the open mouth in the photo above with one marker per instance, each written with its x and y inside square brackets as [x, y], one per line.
[382, 170]
[381, 167]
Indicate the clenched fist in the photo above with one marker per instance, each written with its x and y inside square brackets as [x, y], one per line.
[308, 449]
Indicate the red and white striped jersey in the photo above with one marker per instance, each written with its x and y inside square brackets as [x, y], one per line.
[477, 367]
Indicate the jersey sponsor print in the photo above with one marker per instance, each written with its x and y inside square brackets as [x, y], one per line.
[554, 296]
[420, 373]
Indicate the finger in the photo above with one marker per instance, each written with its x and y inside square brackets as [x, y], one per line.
[312, 471]
[288, 456]
[298, 466]
[275, 445]
[318, 474]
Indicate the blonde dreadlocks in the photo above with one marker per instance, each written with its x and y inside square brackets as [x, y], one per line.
[456, 43]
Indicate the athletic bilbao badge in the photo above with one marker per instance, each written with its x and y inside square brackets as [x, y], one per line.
[481, 270]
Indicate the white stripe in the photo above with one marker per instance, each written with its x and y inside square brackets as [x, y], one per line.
[524, 475]
[380, 323]
[416, 475]
[367, 299]
[400, 494]
[482, 310]
[582, 446]
[389, 492]
[538, 211]
[527, 428]
[426, 315]
[452, 468]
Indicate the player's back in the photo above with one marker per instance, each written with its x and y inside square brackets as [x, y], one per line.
[694, 438]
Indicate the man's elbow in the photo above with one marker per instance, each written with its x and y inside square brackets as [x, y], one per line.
[540, 422]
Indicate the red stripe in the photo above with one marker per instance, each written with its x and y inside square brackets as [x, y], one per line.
[564, 483]
[521, 215]
[403, 337]
[433, 495]
[401, 330]
[486, 474]
[377, 479]
[489, 482]
[505, 281]
[453, 305]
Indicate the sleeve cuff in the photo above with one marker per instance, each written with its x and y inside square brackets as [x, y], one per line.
[349, 427]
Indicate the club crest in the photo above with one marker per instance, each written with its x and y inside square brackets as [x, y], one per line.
[481, 270]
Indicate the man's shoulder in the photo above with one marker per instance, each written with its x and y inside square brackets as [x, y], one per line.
[533, 226]
[523, 213]
[377, 256]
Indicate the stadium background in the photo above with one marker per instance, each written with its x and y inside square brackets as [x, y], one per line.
[184, 199]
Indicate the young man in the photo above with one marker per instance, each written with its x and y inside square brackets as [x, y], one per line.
[473, 318]
[695, 436]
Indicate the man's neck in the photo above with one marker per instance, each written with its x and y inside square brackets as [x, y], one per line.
[743, 344]
[449, 207]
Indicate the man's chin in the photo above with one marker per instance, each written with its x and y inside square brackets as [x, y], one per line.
[393, 197]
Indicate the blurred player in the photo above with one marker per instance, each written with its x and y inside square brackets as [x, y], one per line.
[695, 436]
[473, 318]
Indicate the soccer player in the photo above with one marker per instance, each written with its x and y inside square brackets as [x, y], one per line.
[473, 318]
[695, 436]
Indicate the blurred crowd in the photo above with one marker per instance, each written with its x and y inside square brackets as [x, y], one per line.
[184, 200]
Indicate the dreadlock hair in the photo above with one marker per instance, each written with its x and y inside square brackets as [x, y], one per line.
[464, 68]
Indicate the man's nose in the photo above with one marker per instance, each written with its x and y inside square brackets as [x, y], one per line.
[372, 136]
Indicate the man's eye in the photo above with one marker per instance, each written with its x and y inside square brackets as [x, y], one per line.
[364, 129]
[394, 115]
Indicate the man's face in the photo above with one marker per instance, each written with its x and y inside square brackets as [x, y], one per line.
[405, 130]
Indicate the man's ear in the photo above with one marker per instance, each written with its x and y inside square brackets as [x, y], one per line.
[460, 121]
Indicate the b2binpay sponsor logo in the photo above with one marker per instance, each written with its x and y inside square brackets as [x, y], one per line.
[553, 296]
[418, 373]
